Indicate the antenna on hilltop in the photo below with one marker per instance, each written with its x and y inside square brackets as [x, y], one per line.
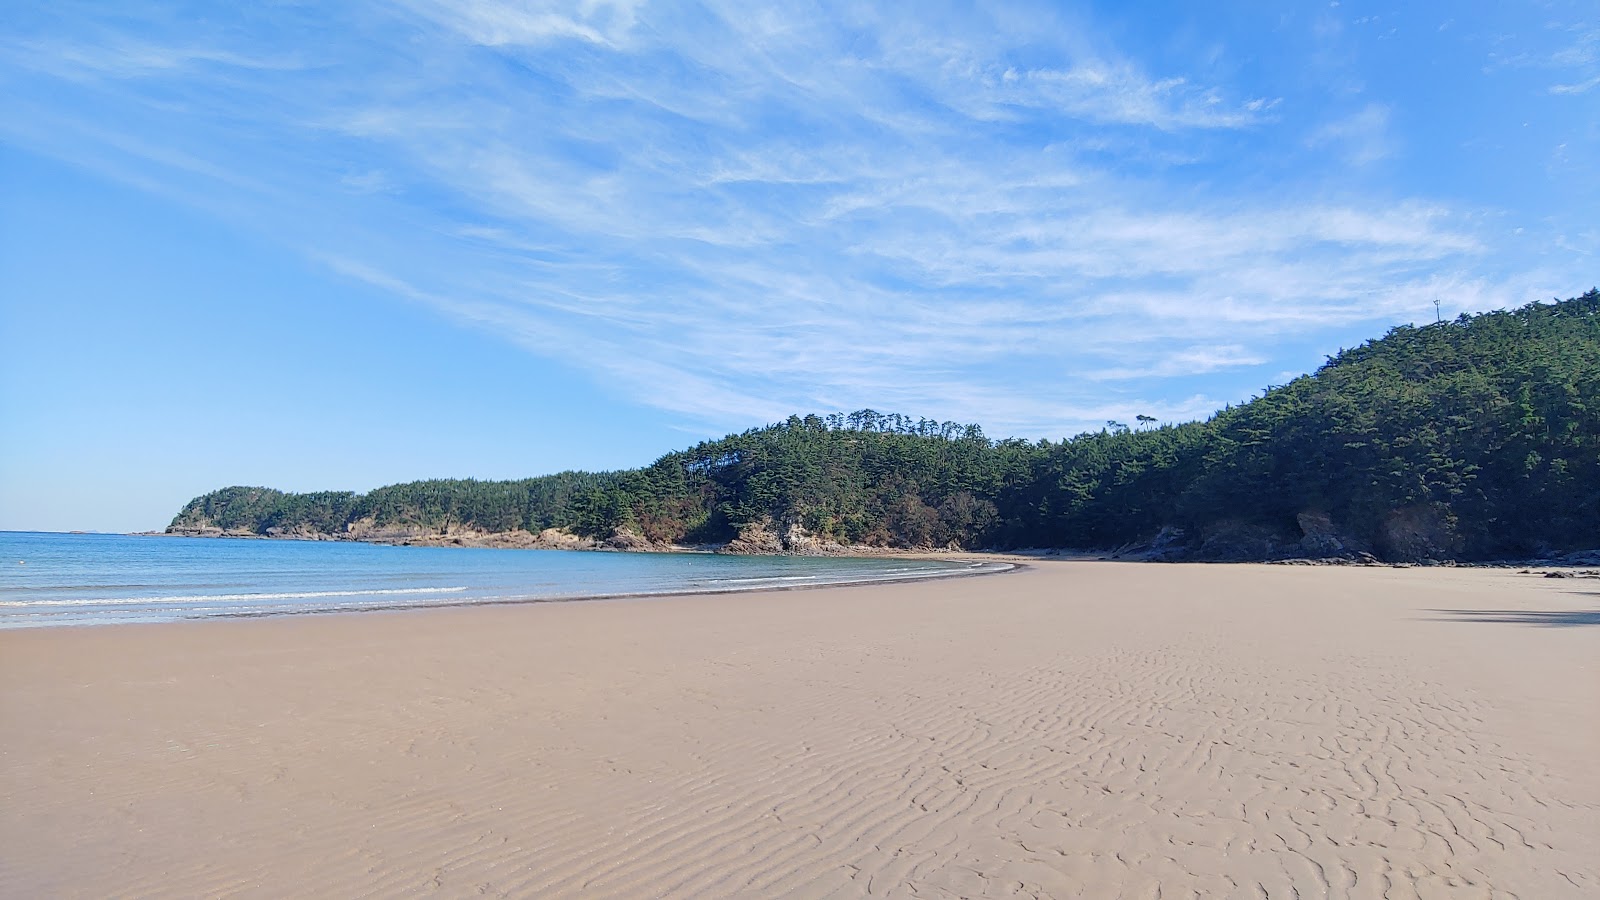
[1438, 315]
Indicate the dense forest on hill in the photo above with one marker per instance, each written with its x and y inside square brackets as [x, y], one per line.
[1475, 438]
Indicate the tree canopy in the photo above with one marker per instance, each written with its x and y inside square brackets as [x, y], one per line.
[1475, 438]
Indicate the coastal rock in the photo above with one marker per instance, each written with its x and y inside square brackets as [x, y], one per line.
[507, 540]
[797, 540]
[557, 539]
[1419, 533]
[1320, 538]
[511, 540]
[624, 538]
[517, 539]
[1235, 541]
[194, 531]
[800, 542]
[368, 529]
[300, 533]
[764, 538]
[1167, 546]
[755, 538]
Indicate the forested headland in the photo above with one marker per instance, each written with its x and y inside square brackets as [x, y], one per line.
[1471, 439]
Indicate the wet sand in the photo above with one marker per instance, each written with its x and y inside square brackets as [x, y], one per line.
[1076, 729]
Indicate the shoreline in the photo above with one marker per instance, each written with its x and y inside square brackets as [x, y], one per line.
[522, 583]
[1011, 568]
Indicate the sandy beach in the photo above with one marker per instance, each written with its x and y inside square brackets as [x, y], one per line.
[1073, 730]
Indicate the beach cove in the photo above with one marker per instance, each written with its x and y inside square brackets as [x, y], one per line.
[1074, 729]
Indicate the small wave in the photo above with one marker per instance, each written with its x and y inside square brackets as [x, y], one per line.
[758, 578]
[227, 598]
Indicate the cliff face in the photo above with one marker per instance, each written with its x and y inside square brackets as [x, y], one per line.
[762, 538]
[368, 531]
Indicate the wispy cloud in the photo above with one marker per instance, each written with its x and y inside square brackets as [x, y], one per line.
[121, 56]
[1576, 88]
[1188, 361]
[495, 24]
[734, 213]
[1580, 58]
[1363, 136]
[1584, 49]
[1569, 48]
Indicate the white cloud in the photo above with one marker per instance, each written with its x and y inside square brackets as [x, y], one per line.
[1183, 361]
[1572, 49]
[1363, 136]
[1097, 91]
[121, 56]
[1577, 88]
[736, 213]
[1584, 51]
[499, 23]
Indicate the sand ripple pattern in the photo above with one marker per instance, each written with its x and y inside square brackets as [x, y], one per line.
[1070, 731]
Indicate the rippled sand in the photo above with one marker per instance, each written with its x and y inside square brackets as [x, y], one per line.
[1076, 729]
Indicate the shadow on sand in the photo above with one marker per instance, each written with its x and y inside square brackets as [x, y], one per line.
[1565, 618]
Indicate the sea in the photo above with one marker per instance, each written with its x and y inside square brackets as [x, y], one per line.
[50, 579]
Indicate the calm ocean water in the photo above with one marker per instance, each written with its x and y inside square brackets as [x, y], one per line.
[88, 579]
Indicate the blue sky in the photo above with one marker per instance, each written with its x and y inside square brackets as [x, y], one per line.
[337, 245]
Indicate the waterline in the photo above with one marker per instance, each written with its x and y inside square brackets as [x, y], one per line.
[106, 579]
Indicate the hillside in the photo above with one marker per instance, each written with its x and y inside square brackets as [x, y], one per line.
[1477, 438]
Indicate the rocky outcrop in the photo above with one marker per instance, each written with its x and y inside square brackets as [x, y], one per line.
[1418, 534]
[370, 531]
[210, 531]
[1167, 546]
[548, 539]
[757, 537]
[1234, 541]
[765, 538]
[557, 539]
[1319, 538]
[1322, 539]
[799, 542]
[301, 533]
[624, 538]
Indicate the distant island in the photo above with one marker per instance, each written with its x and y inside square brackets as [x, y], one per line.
[1471, 439]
